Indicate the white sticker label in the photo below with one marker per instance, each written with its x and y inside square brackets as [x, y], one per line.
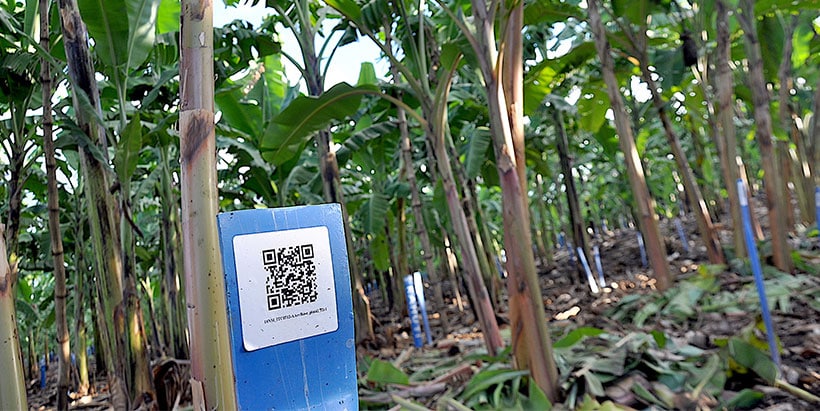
[741, 194]
[286, 288]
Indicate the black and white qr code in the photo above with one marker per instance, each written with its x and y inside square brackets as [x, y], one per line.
[292, 276]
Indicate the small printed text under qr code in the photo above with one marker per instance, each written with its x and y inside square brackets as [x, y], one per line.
[292, 276]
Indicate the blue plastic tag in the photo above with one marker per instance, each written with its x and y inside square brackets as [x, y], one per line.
[289, 308]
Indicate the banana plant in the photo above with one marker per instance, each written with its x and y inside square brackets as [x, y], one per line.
[495, 40]
[211, 369]
[374, 208]
[82, 293]
[644, 202]
[577, 222]
[462, 120]
[773, 177]
[12, 389]
[375, 21]
[409, 173]
[124, 32]
[101, 204]
[637, 46]
[305, 23]
[17, 95]
[248, 104]
[60, 293]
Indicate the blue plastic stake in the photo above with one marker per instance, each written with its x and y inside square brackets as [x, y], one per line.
[817, 209]
[413, 310]
[754, 259]
[682, 234]
[419, 285]
[290, 310]
[592, 284]
[499, 267]
[43, 369]
[597, 255]
[561, 239]
[643, 250]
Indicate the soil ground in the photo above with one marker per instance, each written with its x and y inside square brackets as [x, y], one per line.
[570, 305]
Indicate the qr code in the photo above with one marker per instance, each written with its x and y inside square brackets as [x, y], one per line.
[292, 278]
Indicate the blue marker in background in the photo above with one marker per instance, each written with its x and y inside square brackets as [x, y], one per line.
[592, 285]
[43, 369]
[682, 234]
[597, 255]
[290, 309]
[413, 310]
[643, 250]
[418, 284]
[754, 259]
[499, 267]
[817, 209]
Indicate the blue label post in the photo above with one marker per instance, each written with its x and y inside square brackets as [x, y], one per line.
[413, 310]
[597, 255]
[592, 284]
[290, 309]
[418, 283]
[757, 271]
[43, 369]
[817, 209]
[682, 234]
[643, 249]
